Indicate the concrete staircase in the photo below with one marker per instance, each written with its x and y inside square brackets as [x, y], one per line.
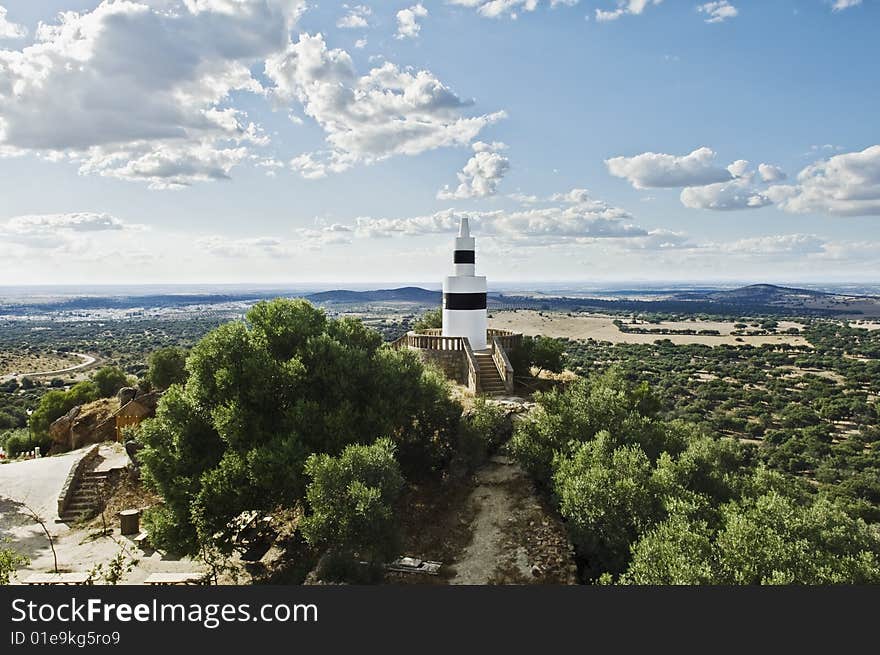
[491, 382]
[84, 498]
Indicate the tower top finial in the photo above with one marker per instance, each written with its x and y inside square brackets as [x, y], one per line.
[464, 229]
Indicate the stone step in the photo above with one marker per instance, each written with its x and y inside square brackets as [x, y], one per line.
[73, 518]
[90, 486]
[80, 506]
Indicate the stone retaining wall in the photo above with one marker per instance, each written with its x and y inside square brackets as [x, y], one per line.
[73, 477]
[453, 363]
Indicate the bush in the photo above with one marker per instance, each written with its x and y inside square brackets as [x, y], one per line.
[483, 429]
[10, 562]
[56, 404]
[545, 353]
[430, 320]
[17, 442]
[109, 380]
[167, 366]
[351, 502]
[265, 394]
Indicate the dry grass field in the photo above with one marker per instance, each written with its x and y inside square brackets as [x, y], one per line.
[13, 364]
[601, 328]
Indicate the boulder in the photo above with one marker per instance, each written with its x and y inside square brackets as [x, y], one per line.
[60, 430]
[85, 424]
[126, 395]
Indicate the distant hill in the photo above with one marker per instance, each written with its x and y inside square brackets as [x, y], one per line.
[762, 294]
[415, 295]
[755, 299]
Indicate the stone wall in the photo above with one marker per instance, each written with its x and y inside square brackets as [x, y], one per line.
[73, 476]
[453, 363]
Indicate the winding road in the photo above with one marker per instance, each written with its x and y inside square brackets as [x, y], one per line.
[88, 360]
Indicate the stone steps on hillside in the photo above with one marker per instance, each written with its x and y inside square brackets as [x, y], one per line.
[84, 501]
[491, 382]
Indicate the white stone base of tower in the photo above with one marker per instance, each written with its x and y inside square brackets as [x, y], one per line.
[470, 323]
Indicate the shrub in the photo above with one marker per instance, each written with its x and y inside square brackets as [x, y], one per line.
[167, 366]
[55, 404]
[432, 319]
[351, 499]
[483, 429]
[22, 441]
[265, 394]
[10, 562]
[109, 380]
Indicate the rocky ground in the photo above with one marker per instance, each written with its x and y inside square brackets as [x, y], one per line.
[515, 538]
[489, 528]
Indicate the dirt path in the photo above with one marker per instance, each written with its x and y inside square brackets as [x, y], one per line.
[515, 540]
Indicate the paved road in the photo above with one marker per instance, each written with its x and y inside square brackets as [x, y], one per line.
[36, 482]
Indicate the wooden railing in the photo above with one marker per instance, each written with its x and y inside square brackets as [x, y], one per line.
[508, 340]
[500, 341]
[433, 342]
[399, 342]
[502, 363]
[473, 379]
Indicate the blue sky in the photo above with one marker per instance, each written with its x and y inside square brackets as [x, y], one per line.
[277, 142]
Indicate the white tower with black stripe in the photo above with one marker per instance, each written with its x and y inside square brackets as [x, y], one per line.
[464, 294]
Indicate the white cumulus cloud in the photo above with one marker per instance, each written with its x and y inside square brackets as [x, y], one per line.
[482, 173]
[366, 118]
[840, 5]
[8, 29]
[355, 18]
[843, 185]
[137, 92]
[408, 26]
[511, 8]
[566, 222]
[658, 170]
[771, 173]
[60, 230]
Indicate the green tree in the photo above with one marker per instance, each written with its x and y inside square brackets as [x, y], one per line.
[608, 497]
[351, 499]
[545, 353]
[775, 540]
[109, 380]
[264, 394]
[167, 366]
[678, 551]
[55, 404]
[432, 319]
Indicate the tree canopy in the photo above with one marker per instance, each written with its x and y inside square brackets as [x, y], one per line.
[351, 499]
[264, 394]
[651, 501]
[167, 366]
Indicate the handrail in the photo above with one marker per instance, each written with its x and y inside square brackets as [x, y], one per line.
[473, 367]
[428, 341]
[502, 363]
[399, 342]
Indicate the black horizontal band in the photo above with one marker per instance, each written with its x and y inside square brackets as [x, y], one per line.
[464, 301]
[464, 257]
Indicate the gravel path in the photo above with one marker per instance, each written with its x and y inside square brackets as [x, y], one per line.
[515, 539]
